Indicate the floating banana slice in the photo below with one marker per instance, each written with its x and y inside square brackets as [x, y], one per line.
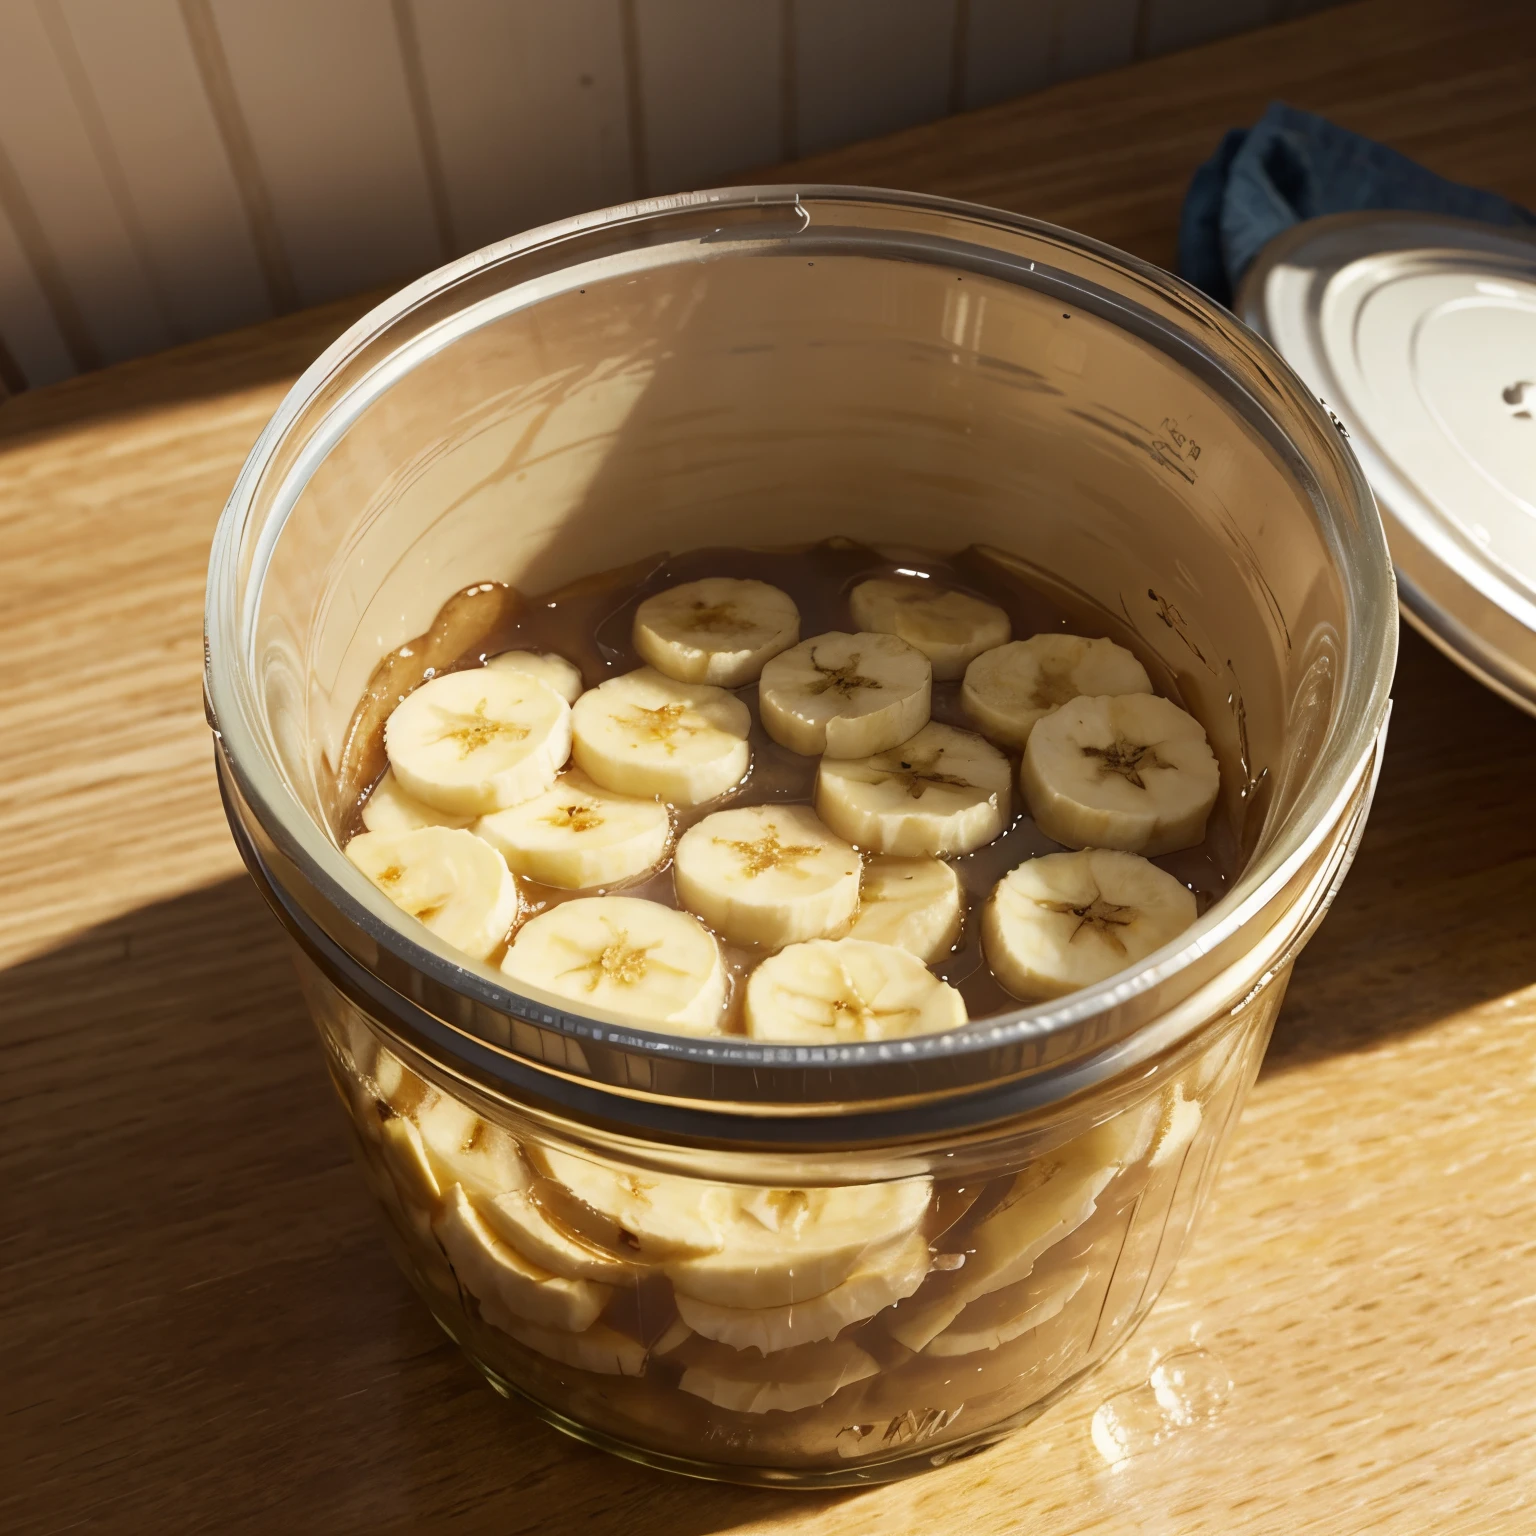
[1007, 1314]
[845, 695]
[1048, 1201]
[943, 792]
[577, 834]
[719, 630]
[794, 1379]
[644, 734]
[478, 741]
[766, 874]
[658, 1215]
[462, 1148]
[914, 904]
[1068, 920]
[448, 879]
[600, 1349]
[1132, 772]
[389, 809]
[499, 1276]
[624, 959]
[551, 670]
[780, 1247]
[837, 991]
[1007, 690]
[880, 1280]
[950, 628]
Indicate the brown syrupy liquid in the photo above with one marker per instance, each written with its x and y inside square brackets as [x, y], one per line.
[590, 624]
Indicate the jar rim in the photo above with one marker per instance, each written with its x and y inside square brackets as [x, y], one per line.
[324, 900]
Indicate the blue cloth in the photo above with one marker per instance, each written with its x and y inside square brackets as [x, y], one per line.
[1293, 165]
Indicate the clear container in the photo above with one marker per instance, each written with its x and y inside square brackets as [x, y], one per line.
[772, 1264]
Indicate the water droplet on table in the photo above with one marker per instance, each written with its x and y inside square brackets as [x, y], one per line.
[1186, 1388]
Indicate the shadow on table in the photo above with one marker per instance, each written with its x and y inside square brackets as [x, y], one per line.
[202, 1329]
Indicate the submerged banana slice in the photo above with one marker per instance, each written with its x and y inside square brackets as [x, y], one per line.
[519, 1219]
[1007, 1314]
[1048, 1201]
[462, 1148]
[943, 792]
[479, 740]
[499, 1276]
[1008, 690]
[644, 734]
[626, 960]
[409, 1167]
[577, 834]
[779, 1247]
[1132, 772]
[1068, 920]
[881, 1279]
[914, 904]
[389, 809]
[551, 670]
[950, 628]
[599, 1349]
[719, 630]
[845, 695]
[448, 879]
[1177, 1125]
[837, 991]
[654, 1214]
[766, 874]
[747, 1382]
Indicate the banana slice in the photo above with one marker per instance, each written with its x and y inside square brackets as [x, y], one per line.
[766, 874]
[498, 1276]
[1048, 1201]
[462, 1148]
[1177, 1124]
[654, 1214]
[1008, 690]
[644, 734]
[389, 809]
[845, 695]
[521, 1222]
[1132, 772]
[837, 991]
[1068, 920]
[779, 1247]
[914, 904]
[399, 1087]
[950, 628]
[477, 741]
[448, 879]
[409, 1166]
[600, 1349]
[626, 960]
[1007, 1314]
[943, 792]
[719, 630]
[551, 670]
[794, 1379]
[881, 1280]
[578, 835]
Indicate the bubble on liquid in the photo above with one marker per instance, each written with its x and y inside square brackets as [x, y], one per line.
[1184, 1389]
[948, 1260]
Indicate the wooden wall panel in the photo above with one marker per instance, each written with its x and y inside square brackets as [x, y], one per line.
[140, 69]
[323, 91]
[530, 110]
[33, 342]
[712, 89]
[65, 188]
[170, 168]
[865, 67]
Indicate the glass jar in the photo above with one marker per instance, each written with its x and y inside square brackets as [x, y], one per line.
[792, 1264]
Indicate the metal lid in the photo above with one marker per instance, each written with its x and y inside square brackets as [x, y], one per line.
[1419, 333]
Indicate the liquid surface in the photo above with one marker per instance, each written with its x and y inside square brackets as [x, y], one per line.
[590, 624]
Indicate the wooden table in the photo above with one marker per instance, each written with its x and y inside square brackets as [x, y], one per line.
[200, 1328]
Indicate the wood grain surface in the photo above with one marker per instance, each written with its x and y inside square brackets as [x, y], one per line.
[200, 1327]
